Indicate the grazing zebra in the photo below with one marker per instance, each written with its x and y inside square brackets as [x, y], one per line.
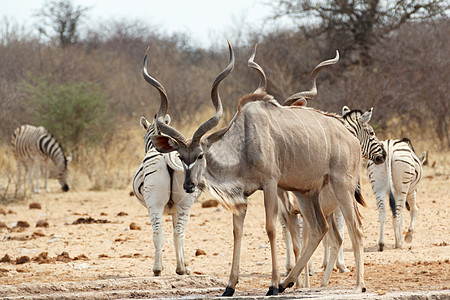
[31, 145]
[399, 177]
[158, 185]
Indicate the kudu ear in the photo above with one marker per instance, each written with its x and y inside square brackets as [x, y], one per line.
[300, 102]
[345, 110]
[164, 144]
[365, 118]
[144, 123]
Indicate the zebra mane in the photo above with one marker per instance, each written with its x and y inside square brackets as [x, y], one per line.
[51, 137]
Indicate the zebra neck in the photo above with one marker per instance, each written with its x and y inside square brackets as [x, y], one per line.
[51, 148]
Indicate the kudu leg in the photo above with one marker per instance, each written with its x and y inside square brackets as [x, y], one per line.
[271, 208]
[238, 230]
[317, 227]
[354, 227]
[340, 223]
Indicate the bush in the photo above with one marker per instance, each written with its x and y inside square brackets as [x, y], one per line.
[76, 113]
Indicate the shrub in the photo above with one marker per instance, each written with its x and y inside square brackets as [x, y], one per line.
[76, 113]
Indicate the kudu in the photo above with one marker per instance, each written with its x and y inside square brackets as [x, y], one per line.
[371, 148]
[264, 147]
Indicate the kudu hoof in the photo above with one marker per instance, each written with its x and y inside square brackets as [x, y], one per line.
[273, 291]
[157, 273]
[228, 292]
[363, 290]
[409, 237]
[281, 289]
[380, 247]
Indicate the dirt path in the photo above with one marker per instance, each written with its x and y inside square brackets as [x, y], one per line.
[88, 250]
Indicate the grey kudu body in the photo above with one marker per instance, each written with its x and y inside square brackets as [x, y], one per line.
[267, 146]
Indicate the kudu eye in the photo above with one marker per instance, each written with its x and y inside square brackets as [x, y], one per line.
[200, 156]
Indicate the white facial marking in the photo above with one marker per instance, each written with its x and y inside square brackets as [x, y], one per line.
[190, 166]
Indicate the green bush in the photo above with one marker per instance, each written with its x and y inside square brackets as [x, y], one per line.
[77, 114]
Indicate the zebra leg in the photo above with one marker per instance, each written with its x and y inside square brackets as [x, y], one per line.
[340, 264]
[282, 217]
[46, 173]
[411, 198]
[183, 203]
[381, 207]
[397, 221]
[37, 176]
[156, 196]
[326, 251]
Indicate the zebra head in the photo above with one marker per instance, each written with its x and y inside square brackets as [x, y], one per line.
[151, 129]
[63, 171]
[358, 123]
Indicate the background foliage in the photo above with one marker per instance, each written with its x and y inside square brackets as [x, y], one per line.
[89, 91]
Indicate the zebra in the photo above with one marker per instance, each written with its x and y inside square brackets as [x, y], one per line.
[31, 145]
[158, 185]
[399, 177]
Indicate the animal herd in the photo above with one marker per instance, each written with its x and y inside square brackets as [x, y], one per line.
[306, 162]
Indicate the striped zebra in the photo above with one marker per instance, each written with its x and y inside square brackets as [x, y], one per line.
[398, 177]
[33, 145]
[158, 185]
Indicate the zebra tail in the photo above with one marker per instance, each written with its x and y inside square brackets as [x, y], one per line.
[390, 180]
[358, 195]
[392, 203]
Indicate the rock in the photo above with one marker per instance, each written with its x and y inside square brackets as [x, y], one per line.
[134, 226]
[200, 252]
[42, 223]
[35, 205]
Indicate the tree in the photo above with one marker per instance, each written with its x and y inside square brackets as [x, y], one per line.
[356, 25]
[62, 18]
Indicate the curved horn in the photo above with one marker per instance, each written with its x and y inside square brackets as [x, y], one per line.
[309, 95]
[262, 76]
[163, 127]
[215, 98]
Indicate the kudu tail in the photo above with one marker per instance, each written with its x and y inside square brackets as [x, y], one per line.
[358, 195]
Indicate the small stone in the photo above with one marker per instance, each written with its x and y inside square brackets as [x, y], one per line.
[42, 223]
[22, 224]
[22, 260]
[210, 203]
[35, 205]
[134, 226]
[200, 252]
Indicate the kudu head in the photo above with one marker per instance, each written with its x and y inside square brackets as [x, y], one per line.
[191, 151]
[358, 123]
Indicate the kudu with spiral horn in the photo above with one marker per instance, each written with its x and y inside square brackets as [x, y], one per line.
[269, 146]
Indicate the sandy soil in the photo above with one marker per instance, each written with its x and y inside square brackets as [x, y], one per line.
[100, 255]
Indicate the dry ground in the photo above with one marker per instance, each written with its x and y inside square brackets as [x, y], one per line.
[105, 259]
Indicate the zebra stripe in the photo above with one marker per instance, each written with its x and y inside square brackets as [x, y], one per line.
[31, 145]
[398, 177]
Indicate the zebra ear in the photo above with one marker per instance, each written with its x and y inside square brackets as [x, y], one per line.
[423, 157]
[167, 119]
[365, 118]
[164, 144]
[144, 123]
[345, 110]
